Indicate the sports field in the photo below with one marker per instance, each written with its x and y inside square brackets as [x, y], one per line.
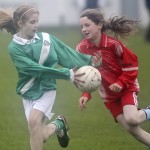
[91, 129]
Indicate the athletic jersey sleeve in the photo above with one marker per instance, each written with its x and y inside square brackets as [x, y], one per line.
[29, 67]
[69, 57]
[129, 64]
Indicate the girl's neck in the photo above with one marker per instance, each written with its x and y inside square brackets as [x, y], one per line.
[23, 36]
[96, 40]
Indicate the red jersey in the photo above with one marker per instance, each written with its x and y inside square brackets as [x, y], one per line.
[119, 65]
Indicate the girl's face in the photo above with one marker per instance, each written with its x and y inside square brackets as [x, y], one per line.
[90, 30]
[28, 29]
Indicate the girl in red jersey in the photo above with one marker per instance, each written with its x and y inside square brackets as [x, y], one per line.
[119, 70]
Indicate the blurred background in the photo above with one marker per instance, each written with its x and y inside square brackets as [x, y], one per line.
[94, 128]
[58, 12]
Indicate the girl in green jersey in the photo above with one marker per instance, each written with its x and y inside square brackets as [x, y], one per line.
[36, 56]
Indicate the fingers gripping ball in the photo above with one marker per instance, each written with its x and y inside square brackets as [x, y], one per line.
[90, 80]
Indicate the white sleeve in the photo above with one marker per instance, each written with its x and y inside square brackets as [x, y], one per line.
[71, 75]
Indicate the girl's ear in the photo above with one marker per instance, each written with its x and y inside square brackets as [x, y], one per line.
[100, 25]
[19, 24]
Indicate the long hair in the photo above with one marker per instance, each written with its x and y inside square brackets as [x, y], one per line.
[6, 21]
[119, 26]
[9, 19]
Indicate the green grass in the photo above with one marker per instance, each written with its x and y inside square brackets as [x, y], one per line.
[91, 129]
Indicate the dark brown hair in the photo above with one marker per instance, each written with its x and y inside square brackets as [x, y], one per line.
[120, 26]
[9, 19]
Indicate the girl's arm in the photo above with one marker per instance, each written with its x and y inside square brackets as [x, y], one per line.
[27, 66]
[129, 64]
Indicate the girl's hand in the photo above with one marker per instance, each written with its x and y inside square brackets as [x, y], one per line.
[96, 60]
[115, 88]
[82, 101]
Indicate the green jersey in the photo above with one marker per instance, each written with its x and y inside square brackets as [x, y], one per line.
[37, 62]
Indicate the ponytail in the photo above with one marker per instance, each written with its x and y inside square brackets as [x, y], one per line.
[120, 26]
[6, 21]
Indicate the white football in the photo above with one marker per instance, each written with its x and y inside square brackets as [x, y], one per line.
[91, 78]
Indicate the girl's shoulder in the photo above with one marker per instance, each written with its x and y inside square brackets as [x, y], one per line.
[12, 45]
[113, 41]
[82, 44]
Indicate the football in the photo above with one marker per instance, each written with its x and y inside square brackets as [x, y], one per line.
[91, 78]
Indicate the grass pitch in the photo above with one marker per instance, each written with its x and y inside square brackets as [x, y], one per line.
[91, 129]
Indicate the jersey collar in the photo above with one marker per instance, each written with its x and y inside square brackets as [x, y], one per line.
[22, 41]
